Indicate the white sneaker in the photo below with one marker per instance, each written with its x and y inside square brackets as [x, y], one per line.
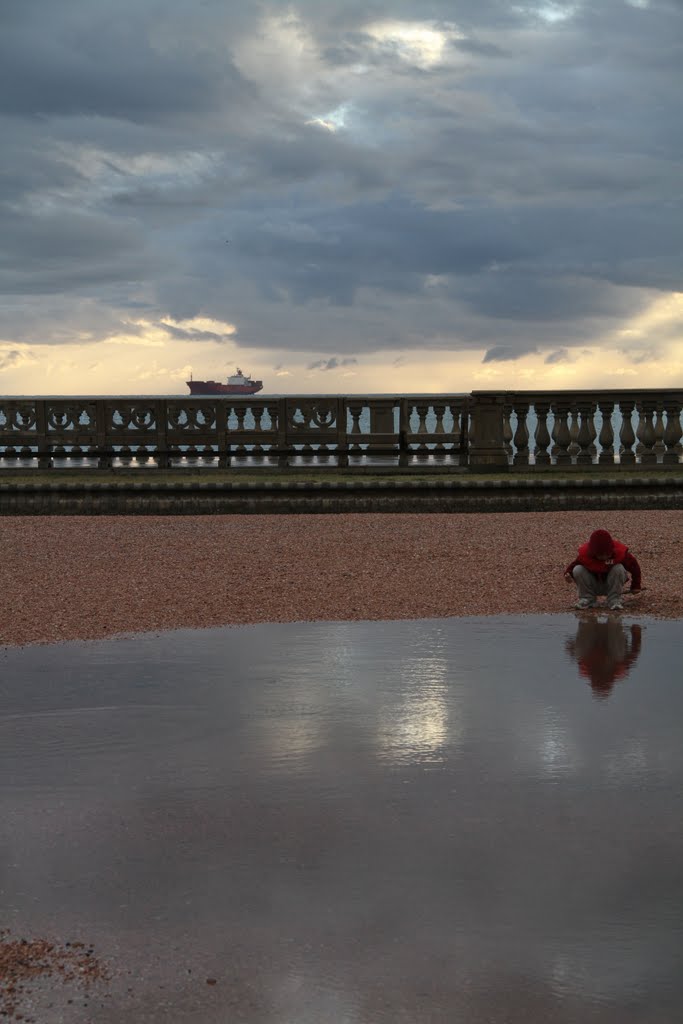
[585, 602]
[616, 606]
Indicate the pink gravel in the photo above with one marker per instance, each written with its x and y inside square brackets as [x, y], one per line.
[82, 577]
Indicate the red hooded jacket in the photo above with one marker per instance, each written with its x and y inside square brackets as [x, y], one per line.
[620, 556]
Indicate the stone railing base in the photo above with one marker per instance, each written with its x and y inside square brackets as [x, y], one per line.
[203, 497]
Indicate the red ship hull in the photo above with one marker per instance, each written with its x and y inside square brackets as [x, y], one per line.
[212, 387]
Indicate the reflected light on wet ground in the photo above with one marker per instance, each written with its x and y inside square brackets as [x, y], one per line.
[470, 820]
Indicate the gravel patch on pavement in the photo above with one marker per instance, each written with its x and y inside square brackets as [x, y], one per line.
[84, 577]
[24, 962]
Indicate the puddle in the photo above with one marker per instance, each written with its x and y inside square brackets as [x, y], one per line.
[429, 821]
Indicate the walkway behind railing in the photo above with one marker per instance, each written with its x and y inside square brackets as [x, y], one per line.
[484, 430]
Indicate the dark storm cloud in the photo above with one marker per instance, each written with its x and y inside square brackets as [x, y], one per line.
[331, 364]
[505, 353]
[518, 189]
[489, 262]
[27, 165]
[9, 358]
[69, 83]
[55, 250]
[188, 334]
[480, 49]
[561, 355]
[77, 58]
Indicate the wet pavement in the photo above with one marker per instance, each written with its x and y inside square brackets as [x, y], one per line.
[462, 820]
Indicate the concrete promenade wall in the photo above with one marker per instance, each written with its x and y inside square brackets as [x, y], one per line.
[206, 497]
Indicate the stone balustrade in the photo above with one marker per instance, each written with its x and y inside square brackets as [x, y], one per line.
[478, 431]
[589, 428]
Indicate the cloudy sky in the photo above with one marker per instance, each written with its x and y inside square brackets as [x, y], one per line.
[349, 196]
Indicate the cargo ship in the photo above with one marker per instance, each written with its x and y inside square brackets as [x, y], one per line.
[238, 384]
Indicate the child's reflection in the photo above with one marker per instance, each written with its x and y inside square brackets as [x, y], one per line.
[604, 652]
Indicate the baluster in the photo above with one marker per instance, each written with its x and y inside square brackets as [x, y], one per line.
[541, 435]
[574, 446]
[355, 411]
[268, 422]
[256, 452]
[584, 437]
[410, 451]
[240, 412]
[521, 438]
[640, 429]
[606, 438]
[404, 414]
[659, 429]
[461, 429]
[673, 432]
[592, 447]
[627, 456]
[561, 436]
[648, 438]
[507, 429]
[226, 426]
[421, 409]
[467, 440]
[439, 412]
[279, 415]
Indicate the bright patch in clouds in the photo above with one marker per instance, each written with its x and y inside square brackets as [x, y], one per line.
[663, 317]
[282, 54]
[142, 333]
[334, 120]
[421, 43]
[202, 323]
[556, 12]
[155, 334]
[163, 373]
[551, 13]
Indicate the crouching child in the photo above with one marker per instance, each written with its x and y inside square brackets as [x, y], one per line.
[601, 568]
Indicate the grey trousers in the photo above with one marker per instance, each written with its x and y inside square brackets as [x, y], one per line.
[590, 587]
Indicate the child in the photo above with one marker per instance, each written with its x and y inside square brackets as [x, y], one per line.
[602, 566]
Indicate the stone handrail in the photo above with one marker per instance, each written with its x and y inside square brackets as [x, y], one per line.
[482, 430]
[585, 428]
[163, 431]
